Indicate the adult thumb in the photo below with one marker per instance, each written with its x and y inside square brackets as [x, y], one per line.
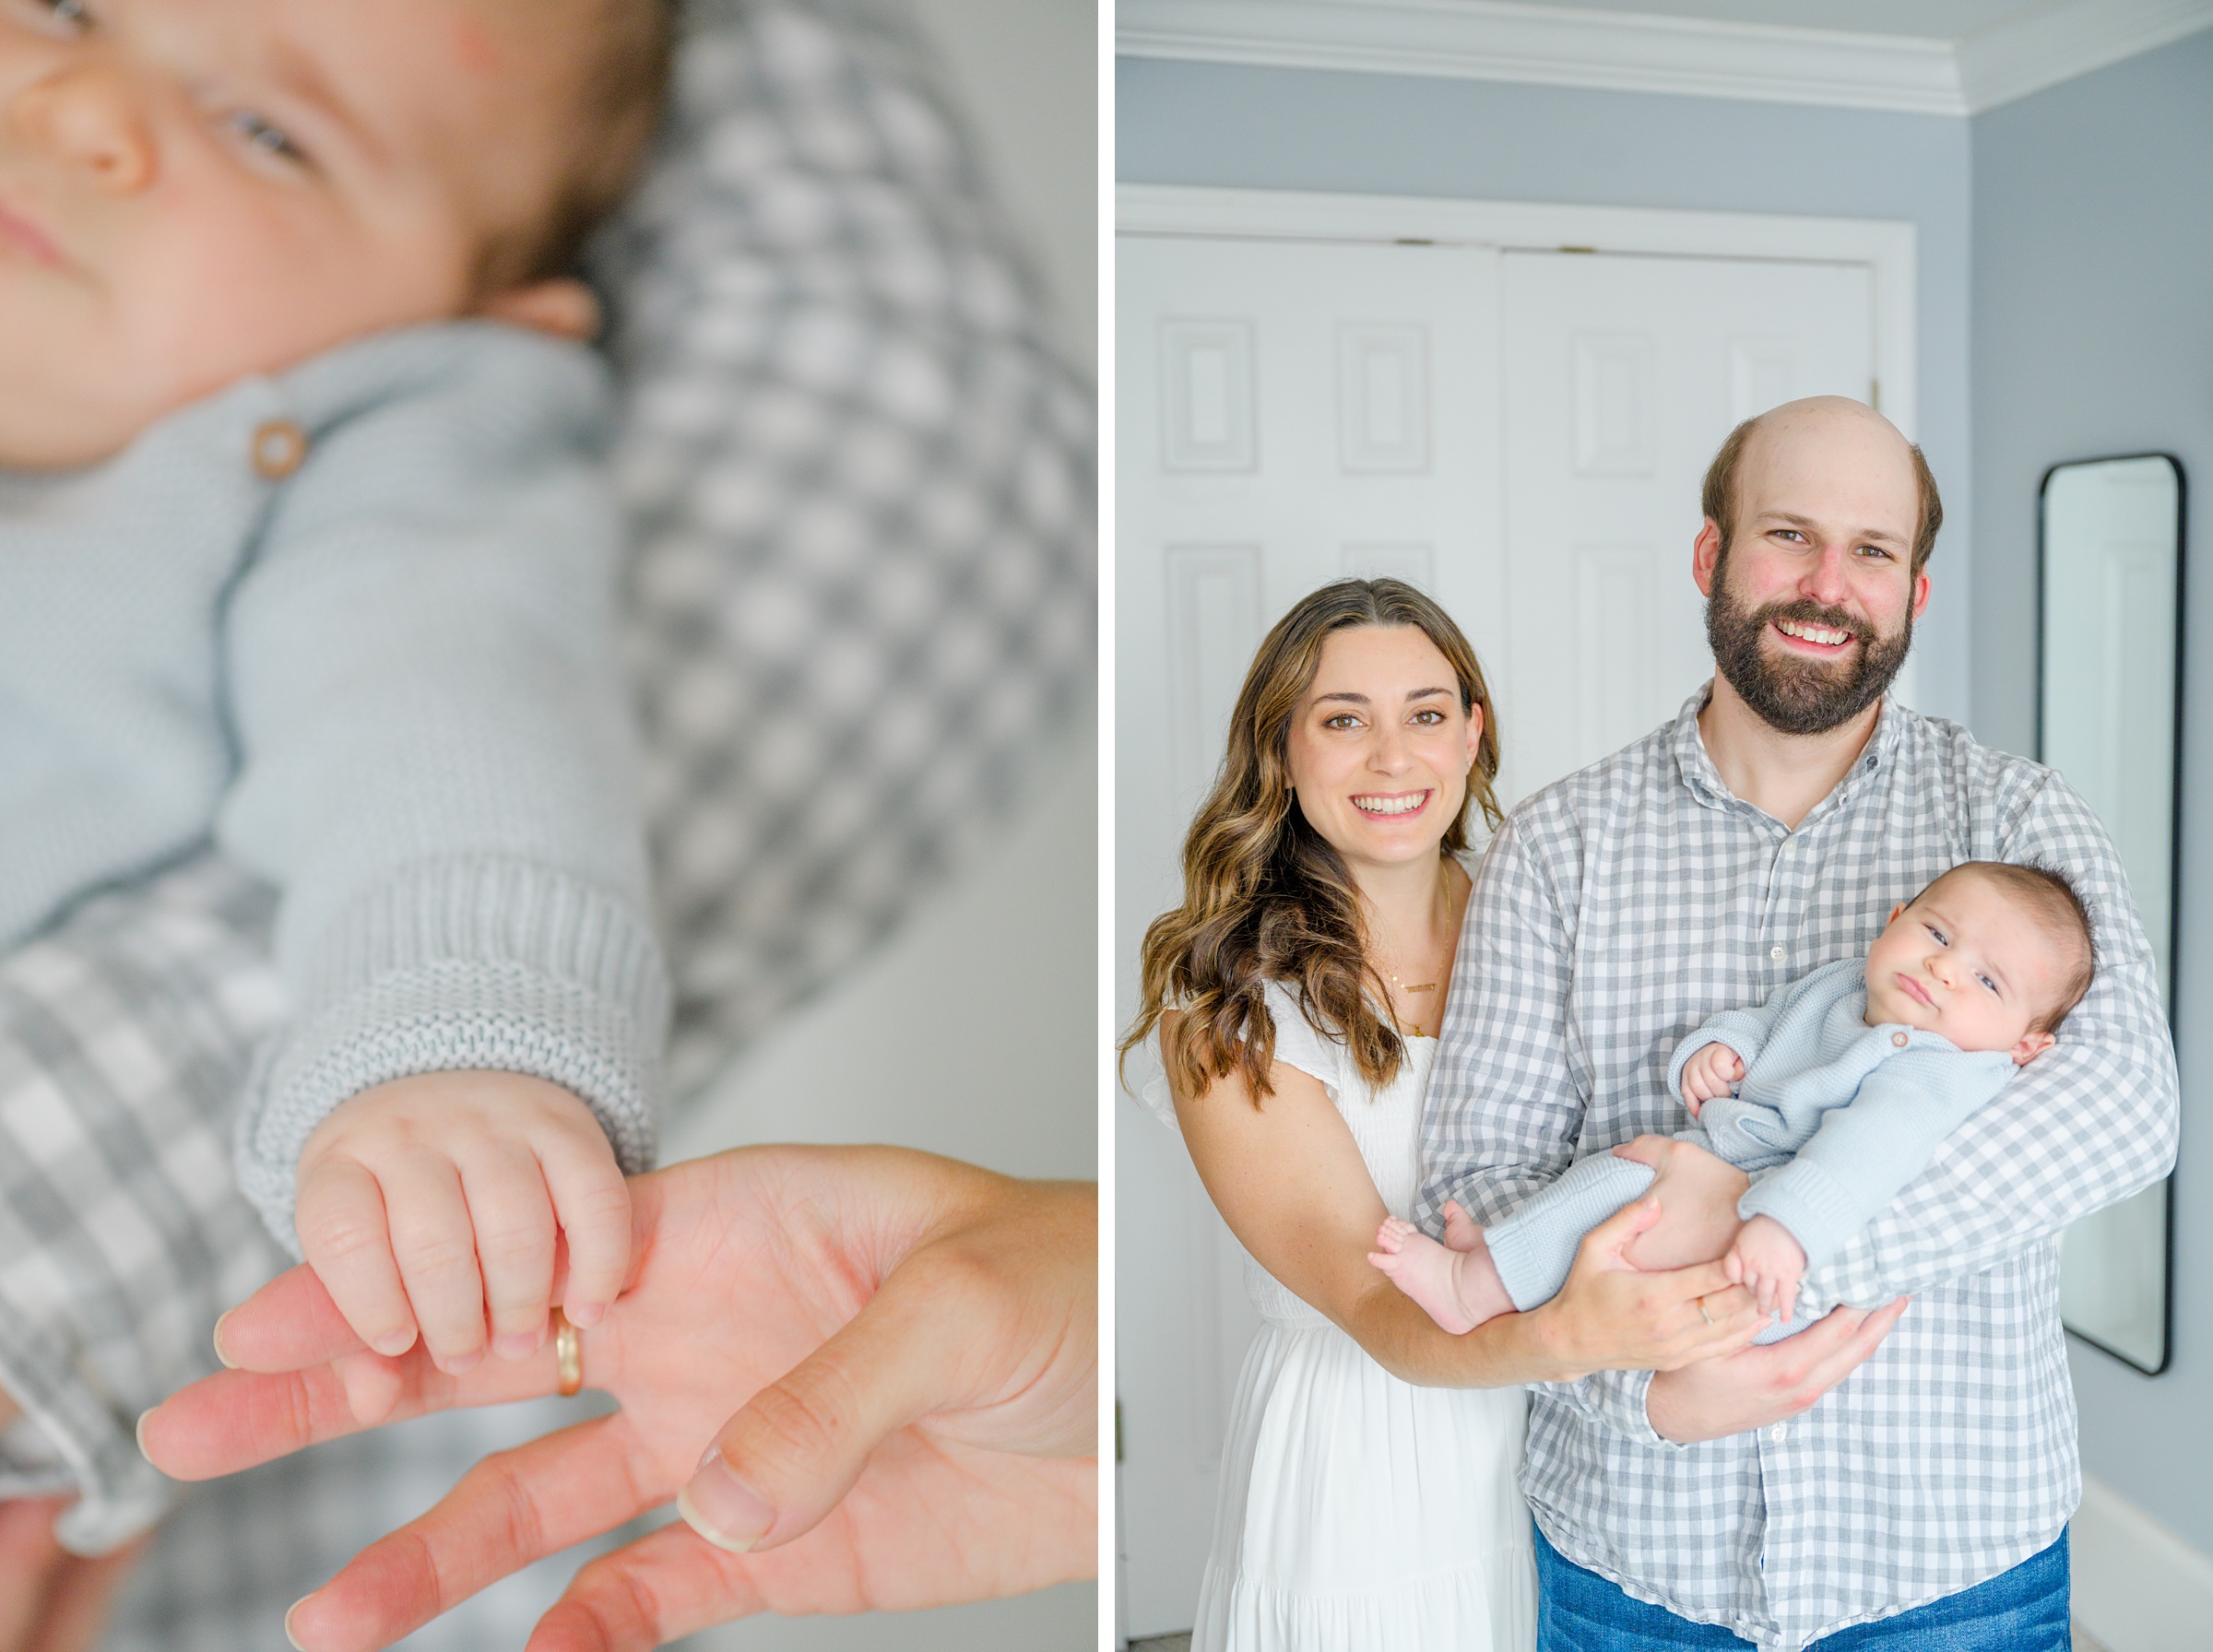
[796, 1448]
[1612, 1237]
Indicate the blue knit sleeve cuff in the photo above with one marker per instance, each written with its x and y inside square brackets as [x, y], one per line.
[472, 963]
[1809, 1202]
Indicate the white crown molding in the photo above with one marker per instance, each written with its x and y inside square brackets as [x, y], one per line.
[1497, 39]
[2044, 47]
[1888, 247]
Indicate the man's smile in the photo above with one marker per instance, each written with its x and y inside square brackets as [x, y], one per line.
[1823, 639]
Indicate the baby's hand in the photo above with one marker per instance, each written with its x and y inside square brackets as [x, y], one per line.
[1711, 1068]
[423, 1200]
[1768, 1263]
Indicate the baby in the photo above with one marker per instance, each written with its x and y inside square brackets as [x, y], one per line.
[305, 551]
[1850, 1077]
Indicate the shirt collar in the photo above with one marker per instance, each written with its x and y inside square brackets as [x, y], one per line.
[1704, 780]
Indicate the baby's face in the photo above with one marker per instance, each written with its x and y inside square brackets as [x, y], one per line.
[195, 191]
[1964, 962]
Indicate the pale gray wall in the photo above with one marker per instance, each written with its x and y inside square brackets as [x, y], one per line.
[1180, 123]
[2093, 333]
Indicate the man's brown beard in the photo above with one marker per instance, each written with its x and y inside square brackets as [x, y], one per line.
[1795, 696]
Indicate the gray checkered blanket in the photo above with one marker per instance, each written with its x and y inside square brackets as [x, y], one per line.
[860, 598]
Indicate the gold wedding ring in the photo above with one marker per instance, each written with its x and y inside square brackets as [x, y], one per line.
[1699, 1300]
[568, 1348]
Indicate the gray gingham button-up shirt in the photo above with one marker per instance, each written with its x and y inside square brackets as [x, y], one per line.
[1615, 912]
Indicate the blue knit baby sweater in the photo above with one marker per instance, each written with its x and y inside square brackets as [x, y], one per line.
[1832, 1119]
[1850, 1112]
[386, 682]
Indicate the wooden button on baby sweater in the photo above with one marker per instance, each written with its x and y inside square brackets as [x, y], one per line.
[1898, 1039]
[279, 448]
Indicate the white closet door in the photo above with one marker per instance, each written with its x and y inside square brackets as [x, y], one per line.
[1289, 413]
[1623, 375]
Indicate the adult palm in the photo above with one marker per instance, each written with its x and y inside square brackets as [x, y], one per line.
[909, 1345]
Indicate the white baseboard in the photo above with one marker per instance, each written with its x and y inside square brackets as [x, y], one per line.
[2137, 1588]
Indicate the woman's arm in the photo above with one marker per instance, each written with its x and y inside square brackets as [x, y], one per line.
[1289, 1180]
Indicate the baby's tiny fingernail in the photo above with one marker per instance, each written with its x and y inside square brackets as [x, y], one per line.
[586, 1315]
[392, 1344]
[461, 1364]
[515, 1346]
[229, 1363]
[140, 1431]
[724, 1509]
[287, 1620]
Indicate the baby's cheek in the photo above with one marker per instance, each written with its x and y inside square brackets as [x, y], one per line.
[475, 49]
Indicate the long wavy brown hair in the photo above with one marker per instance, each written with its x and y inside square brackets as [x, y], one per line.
[1265, 896]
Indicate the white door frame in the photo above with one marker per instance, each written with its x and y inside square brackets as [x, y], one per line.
[1886, 245]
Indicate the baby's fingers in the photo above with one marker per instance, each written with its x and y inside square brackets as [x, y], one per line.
[592, 1201]
[436, 1248]
[513, 1216]
[343, 1233]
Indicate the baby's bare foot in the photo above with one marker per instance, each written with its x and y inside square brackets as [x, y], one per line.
[1461, 1232]
[1437, 1278]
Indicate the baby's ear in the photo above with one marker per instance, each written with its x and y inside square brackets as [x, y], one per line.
[564, 308]
[2032, 1045]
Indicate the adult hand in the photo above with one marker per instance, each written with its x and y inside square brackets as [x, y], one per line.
[1613, 1316]
[909, 1345]
[1760, 1385]
[52, 1600]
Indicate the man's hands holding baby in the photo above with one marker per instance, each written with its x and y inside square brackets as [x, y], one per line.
[451, 1205]
[1709, 1073]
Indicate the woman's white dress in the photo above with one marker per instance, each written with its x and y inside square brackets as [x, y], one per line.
[1358, 1513]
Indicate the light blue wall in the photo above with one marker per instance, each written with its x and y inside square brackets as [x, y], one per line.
[1180, 122]
[2093, 333]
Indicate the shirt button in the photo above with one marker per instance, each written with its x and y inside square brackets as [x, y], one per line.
[279, 448]
[1776, 1432]
[1776, 953]
[1898, 1039]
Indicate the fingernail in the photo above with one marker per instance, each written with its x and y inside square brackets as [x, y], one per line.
[140, 1431]
[229, 1363]
[516, 1345]
[392, 1344]
[461, 1364]
[288, 1621]
[724, 1509]
[586, 1315]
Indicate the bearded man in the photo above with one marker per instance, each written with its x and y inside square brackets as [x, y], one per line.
[1766, 832]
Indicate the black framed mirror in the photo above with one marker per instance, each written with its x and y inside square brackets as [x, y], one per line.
[2109, 718]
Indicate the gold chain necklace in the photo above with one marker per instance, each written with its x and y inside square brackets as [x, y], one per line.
[1444, 889]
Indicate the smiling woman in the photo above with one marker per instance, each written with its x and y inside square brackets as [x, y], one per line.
[1296, 993]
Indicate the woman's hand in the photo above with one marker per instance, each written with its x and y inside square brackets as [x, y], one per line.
[909, 1345]
[1613, 1316]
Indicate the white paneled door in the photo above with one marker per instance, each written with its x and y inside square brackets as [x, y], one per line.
[1520, 433]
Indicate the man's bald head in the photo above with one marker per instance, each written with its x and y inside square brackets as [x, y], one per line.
[1821, 423]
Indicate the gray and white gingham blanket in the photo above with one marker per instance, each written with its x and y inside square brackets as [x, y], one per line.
[861, 601]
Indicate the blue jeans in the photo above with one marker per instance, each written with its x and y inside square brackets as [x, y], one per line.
[2024, 1609]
